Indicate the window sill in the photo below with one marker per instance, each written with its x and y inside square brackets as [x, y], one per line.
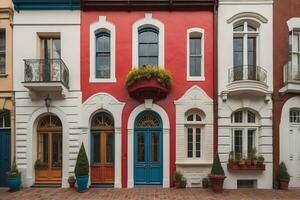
[3, 75]
[109, 80]
[195, 78]
[194, 162]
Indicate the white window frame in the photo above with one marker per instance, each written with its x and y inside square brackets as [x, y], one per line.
[296, 110]
[4, 52]
[99, 26]
[150, 22]
[202, 76]
[244, 127]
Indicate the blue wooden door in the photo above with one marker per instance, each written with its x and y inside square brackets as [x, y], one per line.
[5, 140]
[148, 157]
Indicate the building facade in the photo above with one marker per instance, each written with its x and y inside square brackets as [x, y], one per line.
[286, 113]
[245, 32]
[152, 138]
[7, 108]
[46, 83]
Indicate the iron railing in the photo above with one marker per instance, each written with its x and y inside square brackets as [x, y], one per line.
[45, 71]
[253, 73]
[291, 73]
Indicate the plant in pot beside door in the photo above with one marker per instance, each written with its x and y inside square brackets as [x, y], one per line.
[71, 181]
[14, 178]
[179, 180]
[82, 170]
[283, 177]
[217, 175]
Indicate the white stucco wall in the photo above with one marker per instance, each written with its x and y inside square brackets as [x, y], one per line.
[26, 26]
[258, 102]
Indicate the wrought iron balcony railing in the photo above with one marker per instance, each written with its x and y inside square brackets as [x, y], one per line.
[291, 73]
[46, 71]
[242, 73]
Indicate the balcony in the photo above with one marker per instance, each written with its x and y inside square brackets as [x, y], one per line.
[247, 79]
[46, 75]
[291, 79]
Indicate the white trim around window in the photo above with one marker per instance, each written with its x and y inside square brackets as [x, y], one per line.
[150, 22]
[102, 25]
[199, 31]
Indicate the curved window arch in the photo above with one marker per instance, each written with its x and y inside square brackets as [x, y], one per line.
[148, 120]
[148, 46]
[195, 54]
[245, 38]
[295, 115]
[245, 127]
[194, 128]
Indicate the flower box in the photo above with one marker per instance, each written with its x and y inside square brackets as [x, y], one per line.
[236, 167]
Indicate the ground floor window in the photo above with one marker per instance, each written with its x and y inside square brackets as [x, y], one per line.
[244, 142]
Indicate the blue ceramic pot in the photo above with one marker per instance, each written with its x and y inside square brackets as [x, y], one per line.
[14, 183]
[82, 182]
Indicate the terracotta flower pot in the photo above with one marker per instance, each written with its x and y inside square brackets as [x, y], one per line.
[254, 162]
[248, 162]
[177, 184]
[284, 184]
[217, 182]
[242, 162]
[72, 182]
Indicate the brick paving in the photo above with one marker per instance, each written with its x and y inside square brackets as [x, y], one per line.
[148, 194]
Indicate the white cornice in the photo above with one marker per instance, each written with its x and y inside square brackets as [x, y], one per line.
[245, 2]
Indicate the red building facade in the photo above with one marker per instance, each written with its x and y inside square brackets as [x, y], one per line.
[175, 29]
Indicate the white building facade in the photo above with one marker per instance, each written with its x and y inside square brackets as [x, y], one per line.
[245, 53]
[48, 99]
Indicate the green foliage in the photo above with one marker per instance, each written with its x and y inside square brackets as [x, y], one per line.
[82, 163]
[162, 76]
[217, 168]
[231, 157]
[71, 178]
[205, 182]
[14, 172]
[40, 165]
[260, 159]
[283, 173]
[178, 176]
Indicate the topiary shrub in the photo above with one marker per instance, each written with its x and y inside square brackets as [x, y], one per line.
[217, 168]
[283, 173]
[82, 163]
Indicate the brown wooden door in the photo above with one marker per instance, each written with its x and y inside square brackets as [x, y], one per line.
[102, 166]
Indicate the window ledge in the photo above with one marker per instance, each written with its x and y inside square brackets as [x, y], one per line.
[194, 162]
[195, 78]
[104, 80]
[3, 75]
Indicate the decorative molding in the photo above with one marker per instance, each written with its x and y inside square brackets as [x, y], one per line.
[247, 15]
[293, 22]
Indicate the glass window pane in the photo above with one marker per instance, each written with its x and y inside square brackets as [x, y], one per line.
[190, 143]
[141, 147]
[251, 51]
[148, 61]
[103, 66]
[238, 117]
[148, 50]
[198, 118]
[190, 117]
[109, 147]
[295, 42]
[97, 148]
[2, 40]
[198, 142]
[251, 28]
[238, 144]
[251, 141]
[148, 37]
[2, 52]
[290, 41]
[2, 63]
[251, 117]
[103, 43]
[43, 147]
[155, 147]
[295, 116]
[56, 150]
[195, 46]
[56, 48]
[238, 51]
[239, 28]
[195, 66]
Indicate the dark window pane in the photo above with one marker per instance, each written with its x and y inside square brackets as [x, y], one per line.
[97, 148]
[148, 47]
[190, 143]
[109, 148]
[195, 66]
[238, 143]
[141, 147]
[56, 48]
[2, 40]
[251, 141]
[198, 118]
[103, 43]
[238, 51]
[148, 36]
[148, 61]
[251, 117]
[239, 28]
[251, 28]
[103, 66]
[43, 147]
[238, 117]
[251, 51]
[190, 117]
[155, 147]
[148, 50]
[195, 46]
[198, 142]
[56, 150]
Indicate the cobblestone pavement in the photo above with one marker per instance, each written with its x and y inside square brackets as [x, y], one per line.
[147, 194]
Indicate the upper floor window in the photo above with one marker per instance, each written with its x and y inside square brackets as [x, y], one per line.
[103, 55]
[2, 51]
[294, 48]
[50, 48]
[245, 128]
[194, 129]
[195, 59]
[148, 47]
[294, 116]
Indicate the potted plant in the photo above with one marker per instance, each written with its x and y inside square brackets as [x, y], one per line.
[177, 178]
[205, 183]
[183, 182]
[82, 170]
[260, 160]
[231, 158]
[217, 175]
[283, 177]
[71, 181]
[14, 178]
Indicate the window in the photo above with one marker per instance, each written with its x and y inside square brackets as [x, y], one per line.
[50, 46]
[193, 129]
[294, 55]
[103, 55]
[244, 50]
[148, 47]
[2, 51]
[294, 116]
[4, 119]
[195, 59]
[244, 131]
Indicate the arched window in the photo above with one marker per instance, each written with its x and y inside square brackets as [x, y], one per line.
[195, 57]
[194, 129]
[295, 116]
[245, 35]
[148, 47]
[245, 129]
[103, 65]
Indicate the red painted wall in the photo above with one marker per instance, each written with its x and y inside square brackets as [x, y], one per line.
[176, 25]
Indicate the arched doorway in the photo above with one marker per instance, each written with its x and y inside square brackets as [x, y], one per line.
[48, 166]
[5, 145]
[102, 149]
[148, 151]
